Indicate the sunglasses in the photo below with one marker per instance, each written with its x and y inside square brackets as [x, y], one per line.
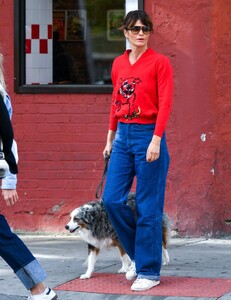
[136, 29]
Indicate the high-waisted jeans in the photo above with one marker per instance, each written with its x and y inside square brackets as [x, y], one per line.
[19, 257]
[141, 238]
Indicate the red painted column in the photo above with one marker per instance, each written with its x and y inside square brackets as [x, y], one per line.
[221, 88]
[187, 32]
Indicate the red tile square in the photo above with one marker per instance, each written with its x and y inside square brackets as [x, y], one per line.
[28, 46]
[170, 286]
[43, 46]
[49, 31]
[35, 31]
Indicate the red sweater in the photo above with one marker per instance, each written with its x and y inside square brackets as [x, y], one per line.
[142, 91]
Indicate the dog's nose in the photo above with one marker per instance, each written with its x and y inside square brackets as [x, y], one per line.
[67, 227]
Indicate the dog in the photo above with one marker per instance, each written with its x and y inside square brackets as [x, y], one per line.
[94, 227]
[127, 96]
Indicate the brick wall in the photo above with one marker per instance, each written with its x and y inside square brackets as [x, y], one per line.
[61, 139]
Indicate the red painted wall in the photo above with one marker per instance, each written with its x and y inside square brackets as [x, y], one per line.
[61, 137]
[196, 35]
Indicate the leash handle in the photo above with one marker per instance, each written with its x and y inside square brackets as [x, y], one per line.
[99, 189]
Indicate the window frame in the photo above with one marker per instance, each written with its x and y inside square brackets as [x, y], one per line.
[19, 63]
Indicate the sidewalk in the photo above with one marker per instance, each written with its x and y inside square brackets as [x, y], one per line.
[199, 269]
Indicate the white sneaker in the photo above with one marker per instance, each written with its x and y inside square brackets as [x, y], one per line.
[131, 273]
[143, 284]
[48, 294]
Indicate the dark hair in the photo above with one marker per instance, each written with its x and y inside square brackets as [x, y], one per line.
[133, 16]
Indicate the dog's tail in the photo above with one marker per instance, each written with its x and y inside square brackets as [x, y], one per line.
[166, 230]
[166, 222]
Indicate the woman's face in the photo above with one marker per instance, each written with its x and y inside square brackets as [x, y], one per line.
[136, 37]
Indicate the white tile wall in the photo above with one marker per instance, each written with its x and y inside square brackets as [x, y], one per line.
[32, 75]
[28, 32]
[50, 49]
[45, 75]
[32, 16]
[130, 5]
[35, 49]
[39, 66]
[45, 16]
[44, 4]
[32, 4]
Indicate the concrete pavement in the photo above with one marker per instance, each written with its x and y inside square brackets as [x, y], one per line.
[63, 259]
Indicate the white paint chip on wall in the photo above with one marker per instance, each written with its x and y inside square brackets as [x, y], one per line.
[203, 137]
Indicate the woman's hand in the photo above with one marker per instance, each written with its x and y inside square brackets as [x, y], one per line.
[107, 150]
[10, 196]
[153, 151]
[108, 147]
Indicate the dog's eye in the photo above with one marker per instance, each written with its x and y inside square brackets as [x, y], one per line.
[76, 219]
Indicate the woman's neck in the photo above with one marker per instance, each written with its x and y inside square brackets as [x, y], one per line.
[136, 53]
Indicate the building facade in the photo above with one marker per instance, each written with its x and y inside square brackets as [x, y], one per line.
[61, 115]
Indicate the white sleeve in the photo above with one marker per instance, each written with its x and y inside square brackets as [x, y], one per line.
[10, 181]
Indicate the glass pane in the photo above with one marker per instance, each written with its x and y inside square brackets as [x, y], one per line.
[72, 42]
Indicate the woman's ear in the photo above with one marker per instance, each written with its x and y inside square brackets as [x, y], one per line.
[125, 33]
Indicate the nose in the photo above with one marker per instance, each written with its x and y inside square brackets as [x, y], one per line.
[67, 227]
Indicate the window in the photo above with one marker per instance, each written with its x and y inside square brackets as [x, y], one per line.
[68, 46]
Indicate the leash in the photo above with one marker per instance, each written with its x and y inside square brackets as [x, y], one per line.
[99, 189]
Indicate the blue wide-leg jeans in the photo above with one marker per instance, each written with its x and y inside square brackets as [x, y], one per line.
[141, 238]
[19, 257]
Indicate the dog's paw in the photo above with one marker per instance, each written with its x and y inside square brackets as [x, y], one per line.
[165, 260]
[85, 276]
[123, 270]
[165, 257]
[125, 264]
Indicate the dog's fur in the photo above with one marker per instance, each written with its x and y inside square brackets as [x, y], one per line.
[92, 224]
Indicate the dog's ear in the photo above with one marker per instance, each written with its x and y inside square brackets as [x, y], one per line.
[84, 218]
[89, 218]
[137, 80]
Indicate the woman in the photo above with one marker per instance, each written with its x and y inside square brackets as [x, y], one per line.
[141, 103]
[12, 249]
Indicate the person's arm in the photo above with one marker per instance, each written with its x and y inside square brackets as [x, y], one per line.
[10, 150]
[165, 89]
